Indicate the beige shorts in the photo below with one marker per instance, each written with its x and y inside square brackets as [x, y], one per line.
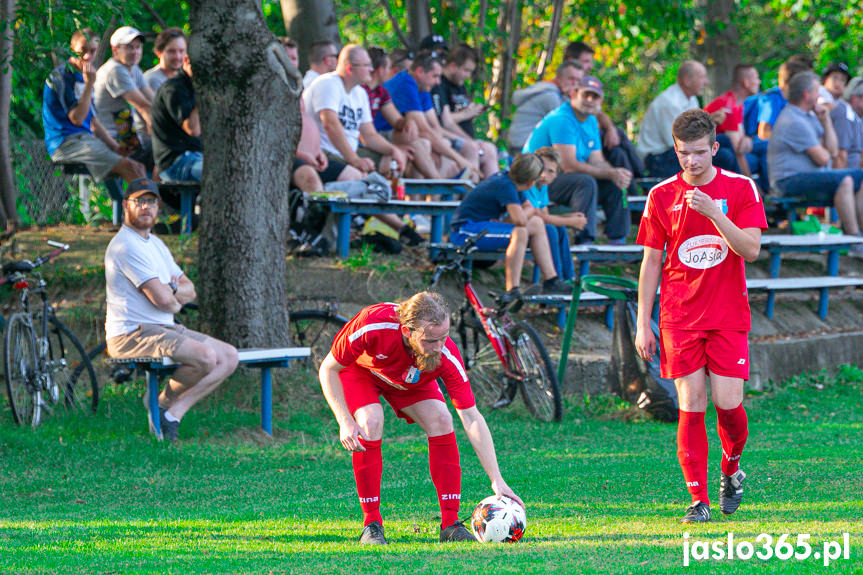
[152, 340]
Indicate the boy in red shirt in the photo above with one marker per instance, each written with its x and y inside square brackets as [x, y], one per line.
[708, 221]
[399, 351]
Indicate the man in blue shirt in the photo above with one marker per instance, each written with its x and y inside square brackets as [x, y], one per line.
[573, 131]
[73, 134]
[484, 208]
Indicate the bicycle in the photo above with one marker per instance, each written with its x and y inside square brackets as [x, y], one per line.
[44, 362]
[501, 355]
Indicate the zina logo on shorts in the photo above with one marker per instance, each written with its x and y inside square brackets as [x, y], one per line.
[702, 252]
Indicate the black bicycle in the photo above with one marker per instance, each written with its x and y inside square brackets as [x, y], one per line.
[502, 355]
[44, 362]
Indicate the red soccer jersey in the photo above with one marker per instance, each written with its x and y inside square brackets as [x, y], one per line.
[733, 112]
[372, 340]
[703, 281]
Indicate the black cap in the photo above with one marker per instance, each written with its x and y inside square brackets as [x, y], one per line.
[836, 67]
[140, 187]
[433, 42]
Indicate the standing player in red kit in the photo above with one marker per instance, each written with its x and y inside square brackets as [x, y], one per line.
[709, 221]
[399, 351]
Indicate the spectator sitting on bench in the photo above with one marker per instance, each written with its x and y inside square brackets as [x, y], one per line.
[144, 289]
[587, 177]
[406, 134]
[849, 126]
[340, 107]
[410, 92]
[729, 129]
[833, 81]
[177, 129]
[616, 147]
[799, 154]
[455, 110]
[555, 225]
[655, 143]
[323, 58]
[400, 60]
[533, 103]
[503, 195]
[73, 133]
[170, 49]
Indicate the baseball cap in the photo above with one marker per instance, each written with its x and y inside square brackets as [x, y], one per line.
[140, 187]
[836, 67]
[591, 83]
[124, 35]
[854, 87]
[433, 42]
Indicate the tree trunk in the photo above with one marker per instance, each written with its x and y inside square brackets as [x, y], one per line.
[553, 32]
[310, 21]
[8, 212]
[250, 124]
[509, 22]
[419, 20]
[716, 46]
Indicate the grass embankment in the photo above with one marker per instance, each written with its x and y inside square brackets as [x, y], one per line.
[95, 494]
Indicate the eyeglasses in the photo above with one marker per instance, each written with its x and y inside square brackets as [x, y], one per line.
[336, 55]
[362, 64]
[149, 202]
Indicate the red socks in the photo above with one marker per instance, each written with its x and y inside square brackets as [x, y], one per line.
[692, 453]
[446, 475]
[368, 468]
[733, 427]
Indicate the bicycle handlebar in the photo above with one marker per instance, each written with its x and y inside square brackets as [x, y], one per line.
[462, 251]
[470, 244]
[25, 266]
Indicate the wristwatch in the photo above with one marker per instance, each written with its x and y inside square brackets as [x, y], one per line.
[173, 287]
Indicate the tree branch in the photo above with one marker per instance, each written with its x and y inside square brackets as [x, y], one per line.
[548, 53]
[395, 23]
[153, 13]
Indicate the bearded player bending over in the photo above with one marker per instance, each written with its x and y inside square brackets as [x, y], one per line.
[708, 221]
[399, 351]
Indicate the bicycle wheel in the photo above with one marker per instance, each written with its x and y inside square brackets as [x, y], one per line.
[69, 367]
[484, 368]
[20, 368]
[539, 386]
[315, 329]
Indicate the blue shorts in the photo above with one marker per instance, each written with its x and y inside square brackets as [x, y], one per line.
[497, 238]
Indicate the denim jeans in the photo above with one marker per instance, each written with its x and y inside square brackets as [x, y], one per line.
[186, 168]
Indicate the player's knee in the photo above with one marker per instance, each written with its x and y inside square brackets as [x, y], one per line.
[440, 423]
[372, 424]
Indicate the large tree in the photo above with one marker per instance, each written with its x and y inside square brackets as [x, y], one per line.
[247, 95]
[8, 213]
[310, 21]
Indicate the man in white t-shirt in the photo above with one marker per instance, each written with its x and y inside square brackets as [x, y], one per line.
[340, 107]
[120, 84]
[322, 59]
[144, 289]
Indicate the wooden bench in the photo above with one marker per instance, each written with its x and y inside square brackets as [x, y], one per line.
[821, 283]
[155, 368]
[446, 189]
[776, 245]
[187, 191]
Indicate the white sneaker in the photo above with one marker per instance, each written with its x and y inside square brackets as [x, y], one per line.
[422, 224]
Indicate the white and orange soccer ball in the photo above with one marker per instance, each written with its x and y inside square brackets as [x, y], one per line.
[498, 520]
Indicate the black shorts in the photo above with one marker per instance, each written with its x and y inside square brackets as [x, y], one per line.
[330, 174]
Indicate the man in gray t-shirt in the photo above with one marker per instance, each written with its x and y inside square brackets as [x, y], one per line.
[170, 48]
[849, 126]
[144, 288]
[800, 151]
[120, 83]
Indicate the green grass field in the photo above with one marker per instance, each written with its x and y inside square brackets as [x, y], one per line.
[95, 494]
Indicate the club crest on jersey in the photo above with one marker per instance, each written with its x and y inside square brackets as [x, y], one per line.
[722, 204]
[412, 375]
[703, 252]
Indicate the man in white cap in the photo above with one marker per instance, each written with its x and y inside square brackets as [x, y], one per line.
[121, 88]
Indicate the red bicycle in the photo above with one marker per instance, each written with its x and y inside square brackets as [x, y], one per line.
[501, 355]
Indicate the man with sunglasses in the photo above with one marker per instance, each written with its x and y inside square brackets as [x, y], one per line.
[73, 133]
[144, 289]
[323, 58]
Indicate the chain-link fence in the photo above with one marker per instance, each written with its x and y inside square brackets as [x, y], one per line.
[47, 195]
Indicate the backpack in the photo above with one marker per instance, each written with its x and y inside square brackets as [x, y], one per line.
[307, 234]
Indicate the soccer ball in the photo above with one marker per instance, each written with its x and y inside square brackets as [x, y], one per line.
[498, 520]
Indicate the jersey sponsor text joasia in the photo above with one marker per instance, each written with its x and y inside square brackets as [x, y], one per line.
[697, 255]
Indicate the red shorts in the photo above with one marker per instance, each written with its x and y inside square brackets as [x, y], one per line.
[684, 351]
[362, 387]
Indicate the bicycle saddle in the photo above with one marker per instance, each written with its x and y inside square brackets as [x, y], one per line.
[22, 266]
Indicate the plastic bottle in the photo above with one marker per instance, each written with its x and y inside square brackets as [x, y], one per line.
[397, 185]
[504, 159]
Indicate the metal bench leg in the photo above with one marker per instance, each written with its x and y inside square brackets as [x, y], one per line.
[583, 268]
[561, 317]
[833, 262]
[771, 300]
[535, 277]
[775, 262]
[267, 400]
[117, 212]
[344, 232]
[153, 390]
[823, 302]
[609, 317]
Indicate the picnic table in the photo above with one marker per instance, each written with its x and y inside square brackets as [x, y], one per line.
[345, 208]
